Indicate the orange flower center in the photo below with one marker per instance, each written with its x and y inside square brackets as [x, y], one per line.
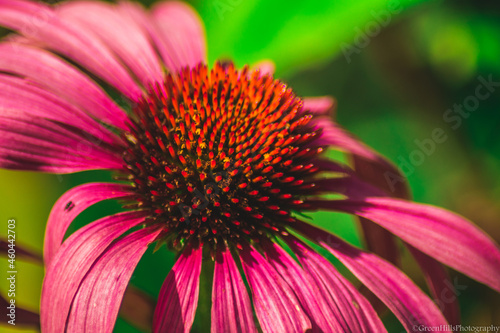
[221, 154]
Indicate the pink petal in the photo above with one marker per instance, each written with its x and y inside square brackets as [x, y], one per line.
[439, 282]
[72, 263]
[447, 237]
[70, 205]
[276, 306]
[334, 135]
[120, 32]
[40, 23]
[324, 106]
[40, 145]
[410, 305]
[323, 313]
[381, 242]
[384, 176]
[178, 296]
[349, 185]
[65, 81]
[378, 240]
[182, 36]
[96, 305]
[42, 132]
[231, 307]
[370, 168]
[353, 310]
[20, 97]
[32, 161]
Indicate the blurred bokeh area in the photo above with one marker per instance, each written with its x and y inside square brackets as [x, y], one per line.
[419, 81]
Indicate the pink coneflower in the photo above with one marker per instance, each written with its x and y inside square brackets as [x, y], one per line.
[218, 164]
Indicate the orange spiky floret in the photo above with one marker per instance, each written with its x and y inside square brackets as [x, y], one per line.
[219, 144]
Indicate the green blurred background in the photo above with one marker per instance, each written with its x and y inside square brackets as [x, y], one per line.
[396, 68]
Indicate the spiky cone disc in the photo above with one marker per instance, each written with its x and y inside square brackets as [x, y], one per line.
[221, 154]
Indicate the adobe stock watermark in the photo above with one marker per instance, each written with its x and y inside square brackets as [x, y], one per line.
[11, 271]
[364, 35]
[454, 117]
[222, 7]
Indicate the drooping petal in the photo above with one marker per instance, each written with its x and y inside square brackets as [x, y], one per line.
[42, 132]
[182, 36]
[377, 239]
[34, 161]
[372, 170]
[374, 174]
[353, 310]
[440, 285]
[276, 306]
[32, 143]
[41, 23]
[73, 261]
[324, 316]
[120, 32]
[57, 76]
[323, 106]
[381, 241]
[339, 138]
[231, 307]
[447, 237]
[96, 305]
[178, 296]
[329, 166]
[70, 205]
[410, 305]
[348, 185]
[19, 97]
[385, 177]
